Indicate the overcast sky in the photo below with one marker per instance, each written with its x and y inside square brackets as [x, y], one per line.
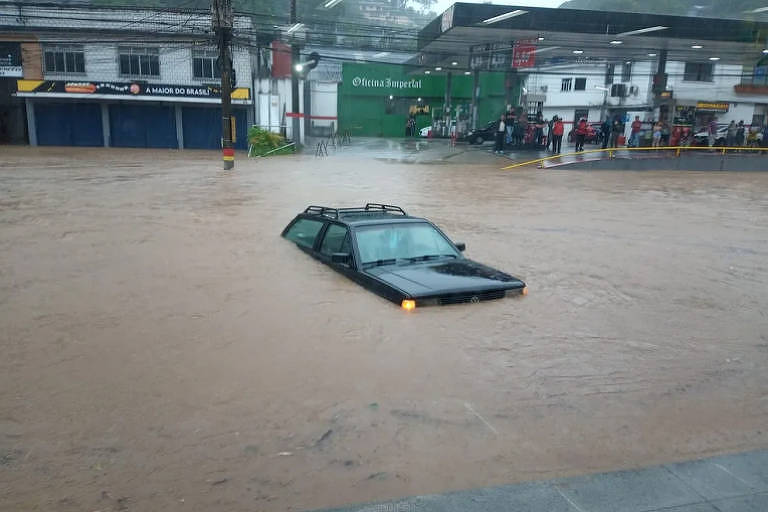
[442, 5]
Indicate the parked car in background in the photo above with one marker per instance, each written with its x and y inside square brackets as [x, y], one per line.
[701, 137]
[480, 135]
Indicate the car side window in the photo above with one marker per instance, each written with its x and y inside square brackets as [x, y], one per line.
[336, 240]
[304, 232]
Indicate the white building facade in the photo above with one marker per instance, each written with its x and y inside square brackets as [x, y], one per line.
[125, 77]
[696, 92]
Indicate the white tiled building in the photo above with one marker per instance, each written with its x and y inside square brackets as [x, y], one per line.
[119, 77]
[595, 90]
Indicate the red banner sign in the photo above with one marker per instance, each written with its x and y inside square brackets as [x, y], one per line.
[524, 53]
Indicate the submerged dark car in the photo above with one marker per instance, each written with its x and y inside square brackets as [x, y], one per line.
[405, 259]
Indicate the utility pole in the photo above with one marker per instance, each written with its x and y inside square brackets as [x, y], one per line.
[221, 18]
[296, 124]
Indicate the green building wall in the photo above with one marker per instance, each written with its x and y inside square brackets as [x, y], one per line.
[365, 108]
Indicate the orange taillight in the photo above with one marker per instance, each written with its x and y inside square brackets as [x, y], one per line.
[408, 304]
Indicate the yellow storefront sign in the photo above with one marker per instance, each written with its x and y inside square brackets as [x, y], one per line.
[714, 106]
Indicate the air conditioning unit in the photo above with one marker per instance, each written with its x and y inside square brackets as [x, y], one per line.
[544, 88]
[634, 90]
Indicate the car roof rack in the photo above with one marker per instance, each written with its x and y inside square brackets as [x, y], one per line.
[369, 208]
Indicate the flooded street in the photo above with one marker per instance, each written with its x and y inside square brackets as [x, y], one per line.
[164, 349]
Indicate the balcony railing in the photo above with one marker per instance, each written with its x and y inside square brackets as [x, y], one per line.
[753, 83]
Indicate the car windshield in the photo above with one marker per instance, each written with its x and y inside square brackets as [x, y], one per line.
[393, 243]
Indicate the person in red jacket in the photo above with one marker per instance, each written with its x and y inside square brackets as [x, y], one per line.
[634, 139]
[557, 135]
[581, 134]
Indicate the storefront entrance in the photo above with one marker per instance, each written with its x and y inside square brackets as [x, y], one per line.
[142, 126]
[202, 127]
[68, 124]
[13, 117]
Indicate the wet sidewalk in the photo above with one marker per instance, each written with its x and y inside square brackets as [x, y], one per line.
[440, 151]
[730, 483]
[423, 151]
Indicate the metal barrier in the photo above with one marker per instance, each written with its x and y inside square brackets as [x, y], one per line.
[678, 150]
[339, 139]
[251, 149]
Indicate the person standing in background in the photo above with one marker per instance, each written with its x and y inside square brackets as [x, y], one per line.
[538, 134]
[665, 133]
[605, 130]
[712, 132]
[634, 139]
[730, 137]
[522, 128]
[675, 137]
[550, 126]
[617, 128]
[557, 135]
[498, 148]
[509, 123]
[581, 134]
[740, 134]
[764, 142]
[657, 134]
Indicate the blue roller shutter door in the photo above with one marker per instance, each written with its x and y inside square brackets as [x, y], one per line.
[68, 124]
[142, 126]
[202, 128]
[241, 122]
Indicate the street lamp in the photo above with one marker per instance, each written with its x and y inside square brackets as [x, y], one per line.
[302, 68]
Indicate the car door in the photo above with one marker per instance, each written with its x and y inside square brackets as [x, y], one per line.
[305, 232]
[336, 239]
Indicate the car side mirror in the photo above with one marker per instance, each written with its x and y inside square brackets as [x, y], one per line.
[461, 246]
[340, 257]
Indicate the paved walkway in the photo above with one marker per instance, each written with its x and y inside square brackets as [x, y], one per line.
[419, 150]
[439, 151]
[730, 483]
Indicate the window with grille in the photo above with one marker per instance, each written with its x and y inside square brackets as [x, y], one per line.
[610, 73]
[626, 72]
[64, 59]
[566, 84]
[139, 61]
[698, 72]
[533, 108]
[580, 84]
[204, 64]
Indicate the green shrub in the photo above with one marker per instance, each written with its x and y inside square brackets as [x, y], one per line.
[263, 141]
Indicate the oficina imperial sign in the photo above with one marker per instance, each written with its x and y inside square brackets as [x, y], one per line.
[387, 83]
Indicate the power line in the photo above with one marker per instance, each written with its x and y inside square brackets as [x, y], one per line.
[396, 42]
[397, 39]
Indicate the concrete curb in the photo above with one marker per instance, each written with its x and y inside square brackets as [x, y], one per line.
[730, 483]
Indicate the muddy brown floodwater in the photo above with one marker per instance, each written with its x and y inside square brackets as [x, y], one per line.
[162, 348]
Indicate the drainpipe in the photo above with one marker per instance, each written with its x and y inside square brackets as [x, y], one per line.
[447, 103]
[475, 94]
